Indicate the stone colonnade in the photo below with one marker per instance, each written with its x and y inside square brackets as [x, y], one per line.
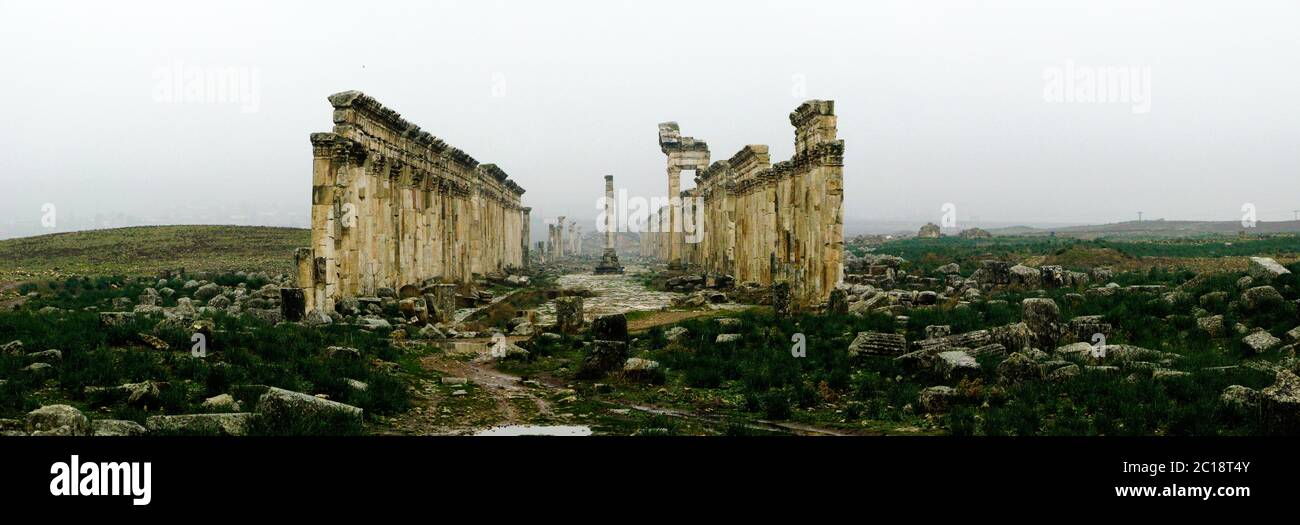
[396, 207]
[765, 223]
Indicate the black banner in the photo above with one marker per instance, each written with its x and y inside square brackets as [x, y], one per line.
[247, 473]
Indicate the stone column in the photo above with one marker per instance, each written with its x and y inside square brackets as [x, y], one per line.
[526, 238]
[609, 260]
[440, 299]
[559, 239]
[577, 239]
[674, 218]
[610, 223]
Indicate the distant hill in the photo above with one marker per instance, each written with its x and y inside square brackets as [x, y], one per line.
[146, 250]
[1156, 229]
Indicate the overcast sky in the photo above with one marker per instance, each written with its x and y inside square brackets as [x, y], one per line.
[938, 102]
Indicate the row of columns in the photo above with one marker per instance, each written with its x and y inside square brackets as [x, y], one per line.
[760, 223]
[394, 207]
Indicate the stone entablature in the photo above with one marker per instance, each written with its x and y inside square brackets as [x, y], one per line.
[393, 206]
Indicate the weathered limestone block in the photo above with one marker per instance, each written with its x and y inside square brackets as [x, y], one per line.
[877, 343]
[287, 412]
[1280, 404]
[440, 299]
[611, 327]
[929, 231]
[602, 357]
[62, 420]
[1266, 269]
[956, 364]
[237, 424]
[568, 314]
[973, 339]
[1043, 317]
[116, 428]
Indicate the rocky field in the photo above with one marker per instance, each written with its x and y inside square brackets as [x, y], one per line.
[986, 342]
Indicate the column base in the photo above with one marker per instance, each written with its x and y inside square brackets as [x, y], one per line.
[609, 264]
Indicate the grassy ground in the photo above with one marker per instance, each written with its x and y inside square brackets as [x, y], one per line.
[149, 249]
[752, 386]
[1198, 254]
[240, 351]
[757, 378]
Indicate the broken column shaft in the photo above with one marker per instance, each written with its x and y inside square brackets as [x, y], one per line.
[609, 260]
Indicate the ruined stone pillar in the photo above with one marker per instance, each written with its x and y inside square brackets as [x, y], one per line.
[568, 314]
[610, 223]
[527, 226]
[577, 239]
[674, 218]
[609, 260]
[561, 238]
[440, 299]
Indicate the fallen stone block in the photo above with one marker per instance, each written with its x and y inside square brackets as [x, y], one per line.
[1266, 269]
[602, 357]
[116, 428]
[877, 343]
[956, 364]
[1260, 341]
[1280, 404]
[238, 424]
[56, 420]
[284, 412]
[639, 369]
[609, 327]
[937, 399]
[1022, 366]
[727, 338]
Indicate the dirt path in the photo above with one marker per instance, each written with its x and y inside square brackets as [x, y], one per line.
[498, 396]
[490, 398]
[494, 398]
[756, 424]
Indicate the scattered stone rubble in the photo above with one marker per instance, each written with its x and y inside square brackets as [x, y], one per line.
[276, 411]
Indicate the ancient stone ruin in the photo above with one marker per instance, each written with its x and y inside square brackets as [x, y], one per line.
[929, 231]
[609, 259]
[762, 223]
[395, 207]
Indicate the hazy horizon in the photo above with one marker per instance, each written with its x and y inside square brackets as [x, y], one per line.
[941, 102]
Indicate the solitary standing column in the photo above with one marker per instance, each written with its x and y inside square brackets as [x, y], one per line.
[609, 260]
[559, 240]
